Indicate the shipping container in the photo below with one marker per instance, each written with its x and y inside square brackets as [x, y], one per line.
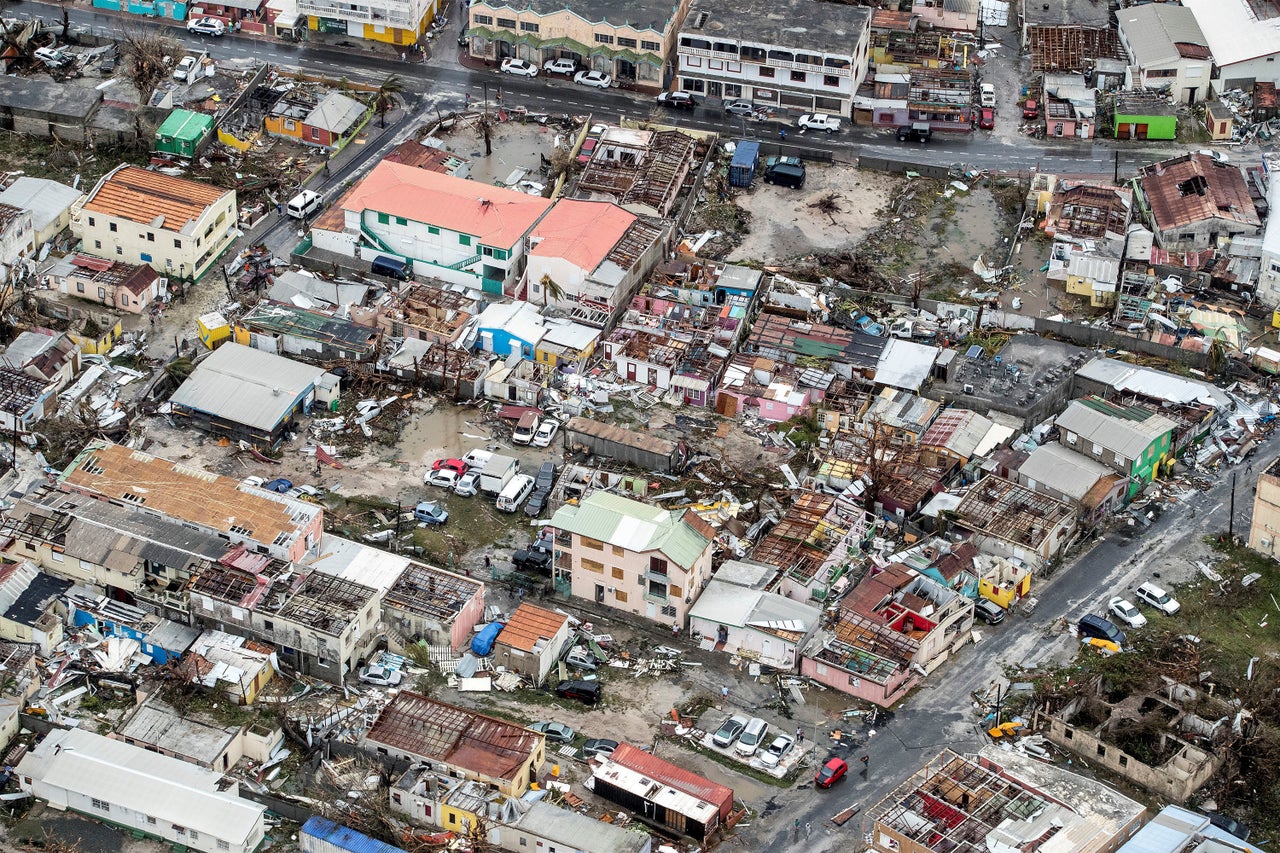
[742, 170]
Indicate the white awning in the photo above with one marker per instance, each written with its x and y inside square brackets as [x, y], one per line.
[691, 383]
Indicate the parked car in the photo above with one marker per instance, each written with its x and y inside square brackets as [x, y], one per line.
[785, 175]
[729, 731]
[1151, 594]
[751, 738]
[430, 512]
[55, 58]
[526, 428]
[546, 432]
[1216, 155]
[1098, 628]
[586, 692]
[256, 482]
[988, 611]
[1229, 825]
[532, 560]
[987, 95]
[596, 79]
[556, 732]
[518, 67]
[830, 773]
[445, 478]
[742, 109]
[818, 121]
[677, 100]
[456, 464]
[580, 658]
[279, 484]
[777, 750]
[1126, 612]
[919, 131]
[599, 746]
[207, 27]
[546, 477]
[588, 148]
[987, 118]
[537, 503]
[309, 494]
[567, 67]
[1030, 109]
[380, 675]
[184, 68]
[468, 484]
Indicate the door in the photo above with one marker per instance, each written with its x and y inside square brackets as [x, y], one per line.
[599, 593]
[631, 371]
[651, 610]
[715, 89]
[766, 649]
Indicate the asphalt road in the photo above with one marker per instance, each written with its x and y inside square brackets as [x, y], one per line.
[443, 83]
[940, 714]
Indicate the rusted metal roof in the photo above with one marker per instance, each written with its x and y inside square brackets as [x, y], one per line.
[1193, 188]
[674, 776]
[528, 625]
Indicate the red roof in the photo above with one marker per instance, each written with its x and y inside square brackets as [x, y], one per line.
[581, 232]
[674, 776]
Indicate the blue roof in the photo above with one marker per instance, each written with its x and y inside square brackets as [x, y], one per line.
[341, 836]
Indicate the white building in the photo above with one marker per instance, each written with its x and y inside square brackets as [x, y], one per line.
[145, 792]
[743, 619]
[796, 54]
[17, 239]
[460, 231]
[48, 201]
[1269, 273]
[178, 226]
[1167, 51]
[1245, 48]
[397, 22]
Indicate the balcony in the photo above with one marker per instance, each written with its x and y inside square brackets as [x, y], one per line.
[785, 65]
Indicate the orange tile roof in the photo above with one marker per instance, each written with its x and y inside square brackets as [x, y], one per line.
[142, 196]
[581, 232]
[498, 217]
[530, 624]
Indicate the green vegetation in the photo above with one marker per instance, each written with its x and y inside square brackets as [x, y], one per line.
[802, 430]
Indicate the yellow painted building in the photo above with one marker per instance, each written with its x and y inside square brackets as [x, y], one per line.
[399, 22]
[99, 344]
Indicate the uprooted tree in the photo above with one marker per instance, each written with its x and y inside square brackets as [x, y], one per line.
[145, 54]
[880, 455]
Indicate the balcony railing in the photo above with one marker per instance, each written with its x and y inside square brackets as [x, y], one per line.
[785, 65]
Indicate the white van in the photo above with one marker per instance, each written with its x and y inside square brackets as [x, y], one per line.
[515, 493]
[304, 204]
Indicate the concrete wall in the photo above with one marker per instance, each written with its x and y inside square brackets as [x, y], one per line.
[1089, 336]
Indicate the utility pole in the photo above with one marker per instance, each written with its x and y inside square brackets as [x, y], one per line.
[1231, 519]
[396, 547]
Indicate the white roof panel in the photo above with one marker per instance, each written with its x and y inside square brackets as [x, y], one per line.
[1233, 31]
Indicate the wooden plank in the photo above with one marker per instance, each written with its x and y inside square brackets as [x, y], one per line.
[845, 816]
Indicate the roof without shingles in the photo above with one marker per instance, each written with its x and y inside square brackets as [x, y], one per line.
[246, 386]
[958, 430]
[1126, 430]
[1234, 30]
[675, 776]
[1063, 470]
[336, 113]
[152, 198]
[497, 217]
[1154, 32]
[417, 725]
[344, 838]
[804, 24]
[634, 526]
[1194, 188]
[46, 199]
[530, 624]
[581, 232]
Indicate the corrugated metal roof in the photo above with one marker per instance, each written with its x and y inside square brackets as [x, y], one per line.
[530, 624]
[152, 198]
[1121, 429]
[634, 526]
[340, 836]
[1154, 31]
[674, 776]
[1063, 470]
[246, 386]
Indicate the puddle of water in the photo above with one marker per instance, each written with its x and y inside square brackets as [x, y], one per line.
[978, 226]
[441, 432]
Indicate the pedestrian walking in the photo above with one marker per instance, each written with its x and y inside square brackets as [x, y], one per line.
[724, 692]
[403, 56]
[808, 829]
[488, 562]
[866, 759]
[799, 734]
[797, 829]
[782, 134]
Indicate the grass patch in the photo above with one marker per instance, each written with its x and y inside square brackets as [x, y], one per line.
[1230, 618]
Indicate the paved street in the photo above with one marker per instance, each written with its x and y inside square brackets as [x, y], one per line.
[443, 83]
[939, 714]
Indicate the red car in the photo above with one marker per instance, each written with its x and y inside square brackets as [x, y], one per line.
[987, 118]
[1030, 109]
[588, 146]
[455, 464]
[830, 773]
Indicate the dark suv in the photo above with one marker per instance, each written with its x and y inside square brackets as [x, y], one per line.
[917, 132]
[1097, 628]
[586, 692]
[532, 560]
[988, 611]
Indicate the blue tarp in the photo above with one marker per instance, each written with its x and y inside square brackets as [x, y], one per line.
[482, 643]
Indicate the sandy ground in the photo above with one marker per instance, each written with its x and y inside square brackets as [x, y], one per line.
[783, 225]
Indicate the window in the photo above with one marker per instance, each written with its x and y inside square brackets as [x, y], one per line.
[453, 818]
[79, 287]
[1097, 450]
[1162, 72]
[102, 293]
[601, 38]
[524, 842]
[119, 250]
[593, 544]
[431, 229]
[97, 244]
[798, 76]
[194, 835]
[268, 625]
[100, 805]
[658, 566]
[528, 27]
[384, 219]
[765, 72]
[657, 589]
[650, 45]
[620, 597]
[91, 222]
[395, 797]
[151, 237]
[124, 299]
[151, 821]
[674, 591]
[484, 19]
[626, 42]
[509, 23]
[223, 845]
[593, 566]
[400, 220]
[464, 240]
[112, 227]
[618, 552]
[830, 80]
[1102, 750]
[1124, 760]
[177, 244]
[1071, 437]
[618, 574]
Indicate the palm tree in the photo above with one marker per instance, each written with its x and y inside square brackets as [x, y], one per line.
[550, 289]
[385, 98]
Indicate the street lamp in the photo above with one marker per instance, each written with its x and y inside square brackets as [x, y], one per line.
[817, 725]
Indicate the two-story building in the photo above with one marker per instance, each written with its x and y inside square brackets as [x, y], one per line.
[1009, 520]
[177, 226]
[398, 22]
[797, 55]
[453, 229]
[1128, 439]
[129, 287]
[1192, 201]
[1167, 51]
[632, 43]
[633, 557]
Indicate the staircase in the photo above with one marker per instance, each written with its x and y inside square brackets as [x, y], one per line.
[465, 262]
